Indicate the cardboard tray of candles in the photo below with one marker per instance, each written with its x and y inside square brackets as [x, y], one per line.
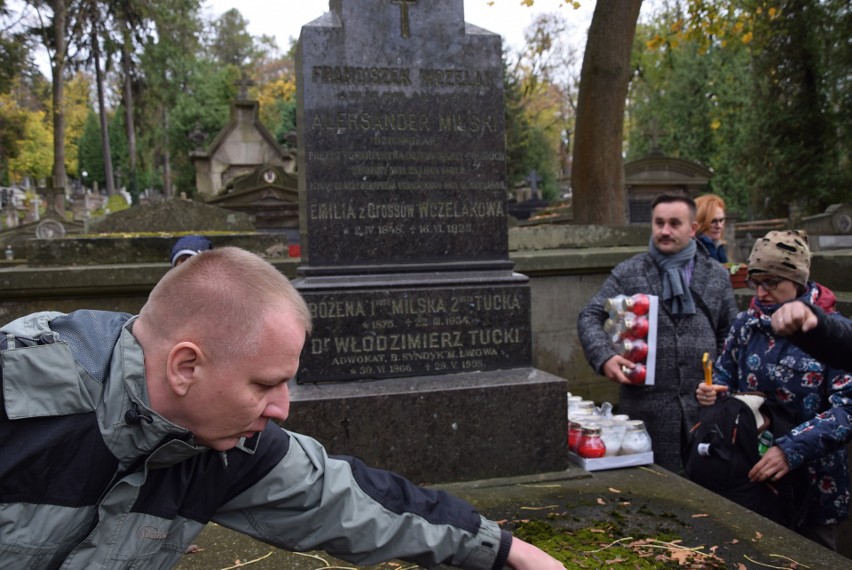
[612, 462]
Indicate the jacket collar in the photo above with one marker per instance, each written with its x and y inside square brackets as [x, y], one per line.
[131, 428]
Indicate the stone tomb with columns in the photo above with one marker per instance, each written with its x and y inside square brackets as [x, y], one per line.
[420, 359]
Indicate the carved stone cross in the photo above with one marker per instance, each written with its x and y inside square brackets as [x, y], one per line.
[405, 29]
[655, 133]
[243, 83]
[533, 179]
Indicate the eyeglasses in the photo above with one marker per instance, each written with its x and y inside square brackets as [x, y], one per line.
[767, 284]
[717, 221]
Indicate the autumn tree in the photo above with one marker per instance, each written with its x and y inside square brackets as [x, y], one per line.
[231, 42]
[795, 150]
[15, 47]
[540, 95]
[597, 178]
[169, 63]
[757, 92]
[696, 96]
[34, 153]
[76, 109]
[14, 53]
[13, 121]
[57, 68]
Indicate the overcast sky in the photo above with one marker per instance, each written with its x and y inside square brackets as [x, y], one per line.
[284, 19]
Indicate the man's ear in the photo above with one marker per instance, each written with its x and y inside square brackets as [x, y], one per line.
[183, 367]
[694, 228]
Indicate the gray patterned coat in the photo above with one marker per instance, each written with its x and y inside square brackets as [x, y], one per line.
[668, 408]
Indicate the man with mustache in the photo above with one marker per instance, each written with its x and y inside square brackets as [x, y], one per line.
[696, 309]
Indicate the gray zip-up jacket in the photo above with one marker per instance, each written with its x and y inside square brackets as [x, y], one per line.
[91, 477]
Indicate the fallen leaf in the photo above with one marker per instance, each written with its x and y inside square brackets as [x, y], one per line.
[601, 501]
[597, 530]
[741, 566]
[700, 515]
[193, 548]
[613, 490]
[757, 535]
[682, 557]
[735, 541]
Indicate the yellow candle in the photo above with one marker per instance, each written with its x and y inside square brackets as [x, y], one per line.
[708, 369]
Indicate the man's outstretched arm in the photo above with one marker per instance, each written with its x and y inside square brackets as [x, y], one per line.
[825, 337]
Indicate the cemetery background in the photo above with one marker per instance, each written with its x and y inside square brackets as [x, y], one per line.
[711, 108]
[554, 274]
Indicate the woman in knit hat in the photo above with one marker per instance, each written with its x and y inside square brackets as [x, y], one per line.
[816, 397]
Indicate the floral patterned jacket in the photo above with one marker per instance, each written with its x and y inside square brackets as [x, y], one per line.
[819, 398]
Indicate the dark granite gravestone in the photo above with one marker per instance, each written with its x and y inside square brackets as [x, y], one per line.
[402, 167]
[422, 338]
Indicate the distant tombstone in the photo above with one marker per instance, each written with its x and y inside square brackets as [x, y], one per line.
[403, 188]
[243, 144]
[11, 217]
[174, 216]
[528, 205]
[54, 198]
[655, 174]
[534, 179]
[36, 214]
[50, 229]
[654, 134]
[831, 229]
[646, 178]
[7, 203]
[268, 193]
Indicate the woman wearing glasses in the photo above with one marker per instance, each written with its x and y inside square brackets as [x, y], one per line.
[817, 398]
[710, 215]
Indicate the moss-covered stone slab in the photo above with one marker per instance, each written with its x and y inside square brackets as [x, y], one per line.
[133, 248]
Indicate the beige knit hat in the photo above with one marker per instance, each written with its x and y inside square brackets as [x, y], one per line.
[784, 254]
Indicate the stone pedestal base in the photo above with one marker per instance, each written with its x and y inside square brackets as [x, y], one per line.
[448, 428]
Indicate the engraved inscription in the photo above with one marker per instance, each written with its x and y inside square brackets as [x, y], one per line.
[371, 121]
[419, 331]
[456, 77]
[346, 75]
[338, 74]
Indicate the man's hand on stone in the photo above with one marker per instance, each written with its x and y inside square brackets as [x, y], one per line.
[525, 556]
[612, 369]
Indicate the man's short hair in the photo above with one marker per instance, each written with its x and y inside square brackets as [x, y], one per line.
[670, 198]
[220, 299]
